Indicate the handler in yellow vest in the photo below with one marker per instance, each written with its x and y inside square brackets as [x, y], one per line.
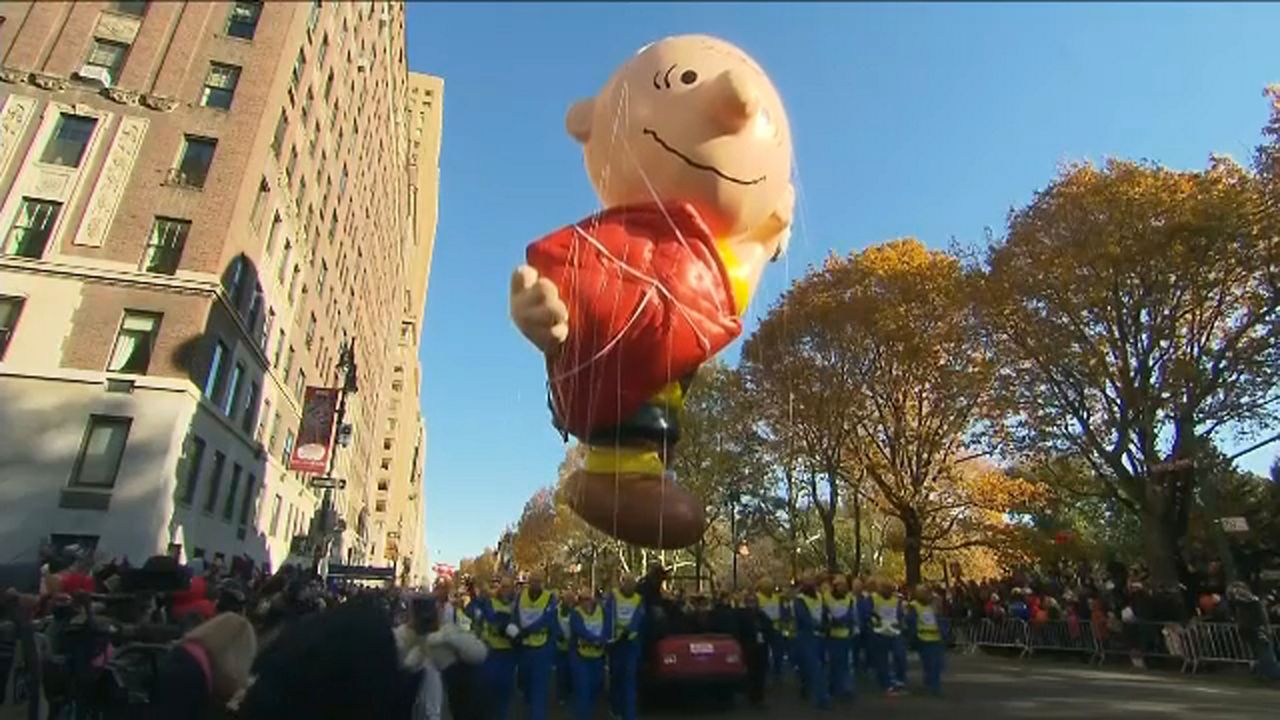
[564, 682]
[625, 608]
[842, 625]
[536, 617]
[772, 607]
[589, 627]
[886, 640]
[497, 615]
[924, 627]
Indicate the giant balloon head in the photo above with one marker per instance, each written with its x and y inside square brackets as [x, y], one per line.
[692, 118]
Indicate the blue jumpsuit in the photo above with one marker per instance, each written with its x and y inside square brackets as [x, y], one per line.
[537, 619]
[626, 613]
[588, 632]
[776, 610]
[924, 628]
[809, 617]
[842, 626]
[886, 642]
[499, 669]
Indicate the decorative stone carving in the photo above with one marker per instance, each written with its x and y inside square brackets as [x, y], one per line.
[49, 82]
[120, 28]
[14, 118]
[52, 184]
[10, 75]
[115, 174]
[159, 102]
[124, 97]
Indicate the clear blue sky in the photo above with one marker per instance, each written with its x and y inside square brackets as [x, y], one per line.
[920, 119]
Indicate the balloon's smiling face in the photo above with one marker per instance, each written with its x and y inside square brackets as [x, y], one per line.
[693, 119]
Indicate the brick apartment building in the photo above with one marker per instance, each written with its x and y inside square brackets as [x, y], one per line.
[201, 204]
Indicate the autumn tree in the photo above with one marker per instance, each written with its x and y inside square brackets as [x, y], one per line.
[1137, 309]
[797, 368]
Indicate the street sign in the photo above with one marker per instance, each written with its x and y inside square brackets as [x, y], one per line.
[321, 482]
[1235, 524]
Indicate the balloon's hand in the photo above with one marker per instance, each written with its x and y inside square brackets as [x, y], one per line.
[537, 310]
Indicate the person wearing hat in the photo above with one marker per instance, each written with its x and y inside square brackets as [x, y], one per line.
[771, 606]
[811, 623]
[496, 612]
[885, 622]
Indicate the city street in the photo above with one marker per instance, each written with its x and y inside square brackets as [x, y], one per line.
[988, 688]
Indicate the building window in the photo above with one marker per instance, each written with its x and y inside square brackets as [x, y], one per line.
[275, 433]
[380, 506]
[342, 181]
[288, 362]
[291, 169]
[233, 281]
[386, 443]
[299, 64]
[260, 202]
[193, 162]
[164, 245]
[10, 309]
[246, 505]
[274, 234]
[287, 452]
[251, 408]
[277, 138]
[386, 463]
[101, 452]
[187, 494]
[134, 343]
[267, 326]
[242, 21]
[382, 485]
[129, 7]
[216, 377]
[220, 86]
[323, 51]
[293, 282]
[229, 505]
[275, 358]
[215, 481]
[275, 515]
[311, 330]
[233, 390]
[306, 107]
[328, 87]
[105, 57]
[284, 261]
[32, 228]
[314, 17]
[301, 389]
[69, 140]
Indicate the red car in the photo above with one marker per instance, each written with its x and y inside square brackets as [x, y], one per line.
[706, 664]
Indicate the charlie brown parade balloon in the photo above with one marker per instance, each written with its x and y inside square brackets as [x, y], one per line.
[688, 149]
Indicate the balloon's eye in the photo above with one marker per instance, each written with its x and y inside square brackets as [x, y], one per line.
[689, 77]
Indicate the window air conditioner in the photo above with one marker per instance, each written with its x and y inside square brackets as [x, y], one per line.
[96, 72]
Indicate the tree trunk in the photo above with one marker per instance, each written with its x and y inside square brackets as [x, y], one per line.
[857, 532]
[697, 566]
[913, 532]
[829, 538]
[1160, 540]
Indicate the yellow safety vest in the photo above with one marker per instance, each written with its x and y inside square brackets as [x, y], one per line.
[494, 636]
[884, 618]
[927, 628]
[839, 610]
[529, 611]
[814, 607]
[624, 608]
[594, 623]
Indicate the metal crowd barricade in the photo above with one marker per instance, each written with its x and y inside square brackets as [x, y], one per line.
[1062, 636]
[1146, 640]
[1218, 643]
[1007, 633]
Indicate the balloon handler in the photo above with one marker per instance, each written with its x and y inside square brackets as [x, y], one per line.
[688, 149]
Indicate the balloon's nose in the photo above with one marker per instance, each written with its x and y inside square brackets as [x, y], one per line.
[736, 101]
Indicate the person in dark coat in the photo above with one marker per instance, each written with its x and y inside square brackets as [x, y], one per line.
[753, 635]
[340, 664]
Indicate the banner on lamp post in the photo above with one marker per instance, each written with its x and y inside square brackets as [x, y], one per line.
[315, 435]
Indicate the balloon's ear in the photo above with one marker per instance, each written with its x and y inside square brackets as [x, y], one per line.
[578, 121]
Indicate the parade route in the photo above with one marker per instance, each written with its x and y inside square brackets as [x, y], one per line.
[979, 687]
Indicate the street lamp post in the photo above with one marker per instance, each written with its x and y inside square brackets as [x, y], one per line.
[345, 377]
